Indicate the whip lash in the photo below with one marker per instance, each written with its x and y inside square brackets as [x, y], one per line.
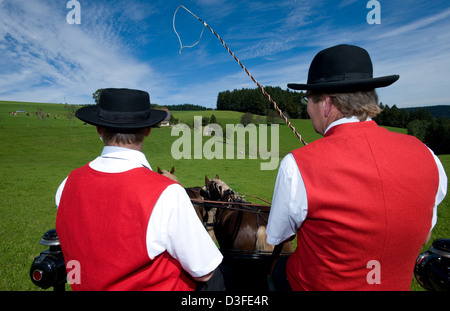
[205, 25]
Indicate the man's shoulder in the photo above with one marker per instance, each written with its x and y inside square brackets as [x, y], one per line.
[154, 176]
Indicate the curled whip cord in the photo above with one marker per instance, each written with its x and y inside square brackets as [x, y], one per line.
[205, 25]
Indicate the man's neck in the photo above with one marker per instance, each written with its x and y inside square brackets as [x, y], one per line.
[344, 121]
[137, 147]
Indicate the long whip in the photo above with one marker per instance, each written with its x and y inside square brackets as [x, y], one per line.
[205, 25]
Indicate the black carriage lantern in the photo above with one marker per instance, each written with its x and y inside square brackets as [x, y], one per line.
[48, 269]
[432, 269]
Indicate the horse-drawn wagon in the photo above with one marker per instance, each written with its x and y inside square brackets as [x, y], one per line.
[239, 228]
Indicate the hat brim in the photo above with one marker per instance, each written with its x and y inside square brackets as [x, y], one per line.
[347, 86]
[90, 114]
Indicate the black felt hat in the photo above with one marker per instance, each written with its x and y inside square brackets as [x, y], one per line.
[343, 68]
[122, 109]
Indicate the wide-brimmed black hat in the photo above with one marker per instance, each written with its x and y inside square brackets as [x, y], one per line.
[343, 68]
[122, 109]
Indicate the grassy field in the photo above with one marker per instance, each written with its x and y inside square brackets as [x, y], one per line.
[38, 153]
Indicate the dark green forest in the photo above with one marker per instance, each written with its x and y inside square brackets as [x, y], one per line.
[254, 101]
[434, 131]
[183, 107]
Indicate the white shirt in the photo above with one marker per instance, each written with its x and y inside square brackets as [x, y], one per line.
[290, 204]
[173, 226]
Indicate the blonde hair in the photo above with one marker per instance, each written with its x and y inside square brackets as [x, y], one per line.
[359, 104]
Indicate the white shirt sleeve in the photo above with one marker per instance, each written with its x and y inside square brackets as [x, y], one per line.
[289, 203]
[174, 226]
[59, 192]
[442, 189]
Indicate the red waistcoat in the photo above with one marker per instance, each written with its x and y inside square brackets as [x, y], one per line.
[102, 222]
[370, 197]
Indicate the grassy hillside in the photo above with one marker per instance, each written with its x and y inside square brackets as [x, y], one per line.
[37, 154]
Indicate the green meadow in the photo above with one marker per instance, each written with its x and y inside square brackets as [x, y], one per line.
[42, 144]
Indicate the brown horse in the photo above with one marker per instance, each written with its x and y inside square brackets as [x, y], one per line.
[238, 226]
[204, 214]
[240, 230]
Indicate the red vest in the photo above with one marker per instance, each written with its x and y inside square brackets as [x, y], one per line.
[102, 222]
[370, 197]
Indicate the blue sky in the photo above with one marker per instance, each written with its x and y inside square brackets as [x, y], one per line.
[132, 44]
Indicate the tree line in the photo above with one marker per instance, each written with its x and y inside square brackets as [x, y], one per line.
[254, 101]
[184, 107]
[434, 132]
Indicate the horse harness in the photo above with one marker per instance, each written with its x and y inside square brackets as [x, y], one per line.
[228, 201]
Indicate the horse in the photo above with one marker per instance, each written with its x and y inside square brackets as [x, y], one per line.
[205, 215]
[168, 174]
[238, 226]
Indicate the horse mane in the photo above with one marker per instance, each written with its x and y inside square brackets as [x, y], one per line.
[223, 190]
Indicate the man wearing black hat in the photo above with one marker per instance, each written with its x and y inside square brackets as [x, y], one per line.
[361, 200]
[128, 227]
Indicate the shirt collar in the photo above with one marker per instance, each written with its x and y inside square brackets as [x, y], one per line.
[352, 119]
[125, 154]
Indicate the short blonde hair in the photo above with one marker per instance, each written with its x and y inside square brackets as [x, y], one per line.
[359, 104]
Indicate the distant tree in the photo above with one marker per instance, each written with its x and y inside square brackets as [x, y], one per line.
[437, 136]
[418, 128]
[96, 95]
[173, 120]
[205, 120]
[273, 117]
[212, 119]
[420, 114]
[246, 118]
[393, 117]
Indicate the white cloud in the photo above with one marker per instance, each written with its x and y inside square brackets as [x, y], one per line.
[345, 3]
[416, 25]
[64, 61]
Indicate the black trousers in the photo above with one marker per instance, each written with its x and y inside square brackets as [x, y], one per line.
[215, 283]
[279, 275]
